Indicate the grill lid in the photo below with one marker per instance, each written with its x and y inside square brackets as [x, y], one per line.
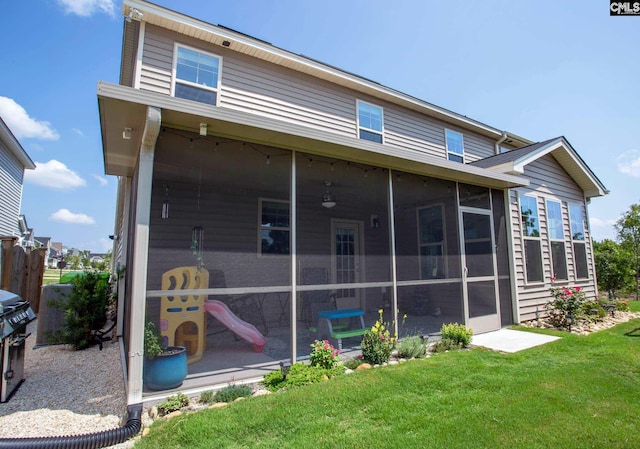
[14, 313]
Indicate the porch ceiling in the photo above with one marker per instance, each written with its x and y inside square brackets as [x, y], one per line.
[124, 107]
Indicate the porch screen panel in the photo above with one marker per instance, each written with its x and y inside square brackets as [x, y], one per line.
[427, 250]
[343, 236]
[502, 256]
[220, 215]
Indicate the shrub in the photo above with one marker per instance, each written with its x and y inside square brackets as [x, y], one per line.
[622, 305]
[232, 392]
[353, 362]
[377, 342]
[323, 354]
[411, 347]
[299, 374]
[173, 403]
[593, 310]
[457, 334]
[206, 397]
[85, 310]
[566, 302]
[446, 344]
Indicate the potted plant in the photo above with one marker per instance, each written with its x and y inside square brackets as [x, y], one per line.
[163, 367]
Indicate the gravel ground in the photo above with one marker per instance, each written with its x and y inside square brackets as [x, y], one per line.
[66, 392]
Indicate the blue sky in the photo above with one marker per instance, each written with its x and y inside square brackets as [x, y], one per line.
[537, 68]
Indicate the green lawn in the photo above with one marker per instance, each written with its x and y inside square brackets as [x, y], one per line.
[577, 392]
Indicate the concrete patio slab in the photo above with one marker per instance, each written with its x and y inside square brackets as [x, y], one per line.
[507, 340]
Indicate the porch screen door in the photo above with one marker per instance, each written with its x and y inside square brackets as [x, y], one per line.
[346, 261]
[479, 273]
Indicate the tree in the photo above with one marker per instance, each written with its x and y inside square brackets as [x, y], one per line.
[628, 228]
[614, 266]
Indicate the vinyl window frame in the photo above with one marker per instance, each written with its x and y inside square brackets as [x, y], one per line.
[175, 80]
[452, 153]
[580, 241]
[530, 238]
[360, 127]
[442, 244]
[261, 202]
[556, 240]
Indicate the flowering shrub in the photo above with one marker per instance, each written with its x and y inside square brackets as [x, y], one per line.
[323, 354]
[378, 342]
[567, 302]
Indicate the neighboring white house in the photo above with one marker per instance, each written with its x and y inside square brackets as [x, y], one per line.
[14, 160]
[289, 187]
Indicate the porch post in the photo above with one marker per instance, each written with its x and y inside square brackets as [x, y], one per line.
[294, 261]
[394, 269]
[513, 280]
[138, 271]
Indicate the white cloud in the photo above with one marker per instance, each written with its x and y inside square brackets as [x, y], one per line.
[22, 125]
[86, 8]
[78, 132]
[101, 180]
[599, 223]
[54, 175]
[66, 216]
[629, 163]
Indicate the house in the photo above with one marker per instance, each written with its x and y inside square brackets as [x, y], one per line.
[279, 189]
[45, 242]
[13, 162]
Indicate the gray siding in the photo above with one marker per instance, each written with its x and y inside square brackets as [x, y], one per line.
[548, 181]
[259, 87]
[11, 176]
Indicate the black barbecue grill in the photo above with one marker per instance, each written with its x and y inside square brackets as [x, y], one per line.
[15, 314]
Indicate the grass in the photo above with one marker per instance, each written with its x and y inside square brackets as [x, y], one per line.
[577, 392]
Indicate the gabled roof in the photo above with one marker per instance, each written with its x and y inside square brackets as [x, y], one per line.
[514, 161]
[11, 143]
[151, 13]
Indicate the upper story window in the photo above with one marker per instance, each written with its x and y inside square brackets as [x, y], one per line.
[531, 238]
[370, 122]
[197, 75]
[455, 145]
[576, 217]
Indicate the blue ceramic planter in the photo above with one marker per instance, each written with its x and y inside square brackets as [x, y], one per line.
[165, 371]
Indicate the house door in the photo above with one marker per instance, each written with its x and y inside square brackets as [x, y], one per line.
[347, 261]
[479, 285]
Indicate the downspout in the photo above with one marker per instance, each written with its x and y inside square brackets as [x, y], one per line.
[497, 144]
[87, 441]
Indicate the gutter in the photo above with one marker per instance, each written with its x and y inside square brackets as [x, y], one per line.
[502, 139]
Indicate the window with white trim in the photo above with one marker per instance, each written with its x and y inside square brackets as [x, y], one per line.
[556, 240]
[531, 238]
[576, 217]
[197, 75]
[370, 122]
[274, 230]
[431, 240]
[455, 145]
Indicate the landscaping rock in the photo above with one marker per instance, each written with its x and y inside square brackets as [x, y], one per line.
[363, 366]
[218, 405]
[173, 414]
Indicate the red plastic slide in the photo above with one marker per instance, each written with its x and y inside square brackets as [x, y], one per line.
[242, 329]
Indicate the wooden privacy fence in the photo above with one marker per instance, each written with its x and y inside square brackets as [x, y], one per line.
[22, 271]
